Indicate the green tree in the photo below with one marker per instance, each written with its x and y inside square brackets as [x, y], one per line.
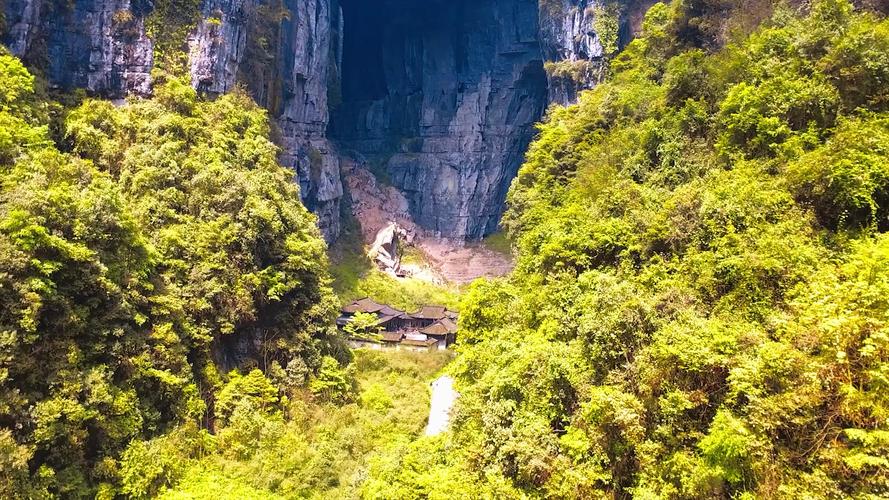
[363, 326]
[333, 383]
[168, 244]
[697, 307]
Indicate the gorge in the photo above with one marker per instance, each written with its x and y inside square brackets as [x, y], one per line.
[438, 99]
[685, 293]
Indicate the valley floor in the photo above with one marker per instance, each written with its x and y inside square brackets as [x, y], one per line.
[323, 450]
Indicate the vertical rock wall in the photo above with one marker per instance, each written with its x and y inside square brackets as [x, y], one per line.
[443, 96]
[309, 66]
[440, 94]
[303, 56]
[571, 47]
[99, 45]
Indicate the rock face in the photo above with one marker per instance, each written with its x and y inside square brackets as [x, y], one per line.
[571, 46]
[442, 96]
[292, 82]
[386, 248]
[99, 45]
[439, 95]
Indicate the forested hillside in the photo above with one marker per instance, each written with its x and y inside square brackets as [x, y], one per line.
[145, 250]
[700, 305]
[701, 301]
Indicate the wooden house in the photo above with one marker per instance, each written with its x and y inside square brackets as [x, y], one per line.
[443, 330]
[432, 327]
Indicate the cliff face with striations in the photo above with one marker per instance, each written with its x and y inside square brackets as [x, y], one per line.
[572, 48]
[98, 45]
[291, 78]
[441, 96]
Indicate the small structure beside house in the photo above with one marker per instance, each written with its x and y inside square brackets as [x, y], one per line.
[430, 328]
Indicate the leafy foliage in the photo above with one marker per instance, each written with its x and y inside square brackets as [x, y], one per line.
[699, 306]
[363, 326]
[130, 269]
[315, 448]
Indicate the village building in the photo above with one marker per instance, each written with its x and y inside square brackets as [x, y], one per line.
[430, 328]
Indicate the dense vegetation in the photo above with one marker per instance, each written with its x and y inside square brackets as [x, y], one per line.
[355, 277]
[312, 446]
[701, 303]
[145, 250]
[700, 307]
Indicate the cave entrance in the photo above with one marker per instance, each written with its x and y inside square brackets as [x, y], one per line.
[363, 77]
[387, 66]
[440, 98]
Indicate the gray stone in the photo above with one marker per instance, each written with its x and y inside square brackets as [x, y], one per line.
[304, 66]
[308, 65]
[99, 45]
[568, 36]
[443, 97]
[439, 95]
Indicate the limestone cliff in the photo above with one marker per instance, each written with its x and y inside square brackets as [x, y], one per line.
[440, 95]
[98, 45]
[290, 76]
[572, 48]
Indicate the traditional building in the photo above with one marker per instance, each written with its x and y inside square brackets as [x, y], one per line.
[432, 327]
[443, 330]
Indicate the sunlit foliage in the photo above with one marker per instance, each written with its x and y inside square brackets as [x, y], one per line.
[132, 268]
[700, 304]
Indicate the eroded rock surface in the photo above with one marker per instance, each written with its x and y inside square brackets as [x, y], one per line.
[445, 103]
[301, 63]
[386, 223]
[386, 248]
[439, 95]
[98, 45]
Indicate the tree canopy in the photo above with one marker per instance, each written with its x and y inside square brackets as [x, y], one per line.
[699, 308]
[155, 246]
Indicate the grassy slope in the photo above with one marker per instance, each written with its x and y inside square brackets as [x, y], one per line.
[323, 451]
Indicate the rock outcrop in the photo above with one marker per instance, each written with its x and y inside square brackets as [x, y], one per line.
[98, 45]
[386, 248]
[439, 95]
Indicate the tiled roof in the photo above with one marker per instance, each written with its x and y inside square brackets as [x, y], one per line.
[420, 343]
[440, 327]
[364, 305]
[430, 312]
[390, 311]
[392, 336]
[450, 324]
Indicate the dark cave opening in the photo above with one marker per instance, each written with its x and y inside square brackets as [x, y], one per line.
[394, 53]
[439, 99]
[363, 77]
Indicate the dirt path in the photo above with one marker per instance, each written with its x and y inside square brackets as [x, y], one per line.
[462, 263]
